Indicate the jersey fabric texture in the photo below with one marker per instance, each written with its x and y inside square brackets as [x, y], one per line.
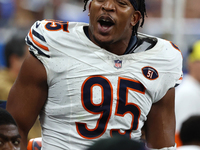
[93, 93]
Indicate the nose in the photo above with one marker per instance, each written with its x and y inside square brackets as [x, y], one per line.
[9, 146]
[109, 5]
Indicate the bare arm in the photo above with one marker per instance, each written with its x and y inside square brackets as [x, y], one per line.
[160, 125]
[27, 96]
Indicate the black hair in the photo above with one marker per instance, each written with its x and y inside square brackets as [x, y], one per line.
[15, 46]
[6, 118]
[190, 131]
[141, 8]
[117, 143]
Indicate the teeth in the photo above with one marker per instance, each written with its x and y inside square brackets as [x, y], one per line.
[105, 20]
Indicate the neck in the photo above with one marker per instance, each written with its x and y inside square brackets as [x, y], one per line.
[117, 47]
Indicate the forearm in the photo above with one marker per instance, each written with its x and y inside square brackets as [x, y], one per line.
[160, 124]
[24, 141]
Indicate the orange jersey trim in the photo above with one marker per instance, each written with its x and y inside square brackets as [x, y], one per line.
[37, 43]
[176, 47]
[178, 140]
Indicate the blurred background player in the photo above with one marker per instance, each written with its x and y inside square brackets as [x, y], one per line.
[9, 134]
[187, 99]
[15, 52]
[190, 133]
[117, 143]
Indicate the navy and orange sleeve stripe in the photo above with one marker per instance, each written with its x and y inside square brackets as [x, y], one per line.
[39, 51]
[37, 41]
[179, 81]
[36, 34]
[176, 47]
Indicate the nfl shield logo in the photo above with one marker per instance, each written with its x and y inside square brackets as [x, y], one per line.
[118, 64]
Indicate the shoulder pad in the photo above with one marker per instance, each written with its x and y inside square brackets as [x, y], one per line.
[144, 43]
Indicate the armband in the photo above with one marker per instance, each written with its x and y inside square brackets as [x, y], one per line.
[164, 148]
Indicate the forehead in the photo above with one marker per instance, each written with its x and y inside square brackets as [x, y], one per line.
[133, 3]
[8, 131]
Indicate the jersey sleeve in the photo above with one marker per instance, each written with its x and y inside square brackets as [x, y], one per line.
[171, 67]
[178, 64]
[39, 45]
[36, 40]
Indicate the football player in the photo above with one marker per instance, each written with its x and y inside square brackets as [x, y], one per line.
[91, 81]
[9, 134]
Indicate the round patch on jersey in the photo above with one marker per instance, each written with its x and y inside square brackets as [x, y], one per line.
[150, 73]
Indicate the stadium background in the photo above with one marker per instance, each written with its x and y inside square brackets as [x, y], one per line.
[174, 20]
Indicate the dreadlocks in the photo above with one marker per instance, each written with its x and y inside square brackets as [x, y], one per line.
[85, 1]
[141, 8]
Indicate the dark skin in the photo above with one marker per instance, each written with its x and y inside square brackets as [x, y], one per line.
[160, 124]
[121, 13]
[30, 90]
[9, 137]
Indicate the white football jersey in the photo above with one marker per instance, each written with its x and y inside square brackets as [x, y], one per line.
[93, 93]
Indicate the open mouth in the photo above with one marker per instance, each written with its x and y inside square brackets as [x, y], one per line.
[106, 22]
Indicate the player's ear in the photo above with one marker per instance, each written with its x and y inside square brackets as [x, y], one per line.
[89, 7]
[135, 18]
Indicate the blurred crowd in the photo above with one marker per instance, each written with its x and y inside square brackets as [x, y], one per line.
[17, 16]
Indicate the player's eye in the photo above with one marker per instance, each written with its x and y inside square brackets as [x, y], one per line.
[1, 143]
[16, 142]
[122, 2]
